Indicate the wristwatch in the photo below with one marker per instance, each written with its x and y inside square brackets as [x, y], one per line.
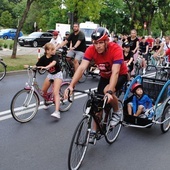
[110, 92]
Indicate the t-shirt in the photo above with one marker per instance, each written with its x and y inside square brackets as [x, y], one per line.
[56, 41]
[142, 47]
[150, 42]
[132, 43]
[168, 54]
[74, 38]
[44, 61]
[104, 62]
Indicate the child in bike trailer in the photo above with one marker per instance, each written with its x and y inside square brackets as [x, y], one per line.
[140, 101]
[49, 61]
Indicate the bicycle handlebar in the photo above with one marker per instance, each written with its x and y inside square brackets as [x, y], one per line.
[92, 94]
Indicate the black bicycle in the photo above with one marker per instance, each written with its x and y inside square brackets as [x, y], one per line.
[67, 66]
[80, 139]
[3, 67]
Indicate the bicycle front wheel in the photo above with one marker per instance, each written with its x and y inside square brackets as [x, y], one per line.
[2, 70]
[112, 132]
[24, 105]
[79, 144]
[64, 103]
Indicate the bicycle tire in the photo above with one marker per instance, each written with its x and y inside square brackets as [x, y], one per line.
[64, 103]
[79, 144]
[2, 70]
[166, 114]
[24, 105]
[112, 133]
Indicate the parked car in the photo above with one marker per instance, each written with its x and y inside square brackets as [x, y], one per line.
[9, 33]
[35, 39]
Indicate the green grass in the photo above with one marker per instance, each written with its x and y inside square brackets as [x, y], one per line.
[19, 62]
[7, 42]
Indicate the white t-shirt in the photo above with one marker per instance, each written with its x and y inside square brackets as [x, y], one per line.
[56, 41]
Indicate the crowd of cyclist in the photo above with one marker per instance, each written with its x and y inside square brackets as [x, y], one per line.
[146, 47]
[131, 45]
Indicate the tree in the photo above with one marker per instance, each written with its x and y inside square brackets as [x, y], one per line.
[20, 24]
[84, 9]
[6, 19]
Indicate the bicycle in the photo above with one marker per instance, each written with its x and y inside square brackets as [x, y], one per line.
[79, 142]
[163, 73]
[139, 64]
[25, 102]
[3, 67]
[67, 67]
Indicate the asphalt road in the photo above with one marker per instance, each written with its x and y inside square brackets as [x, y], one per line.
[43, 143]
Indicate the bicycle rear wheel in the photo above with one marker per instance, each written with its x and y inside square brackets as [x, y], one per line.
[2, 70]
[24, 105]
[79, 144]
[64, 103]
[112, 132]
[166, 114]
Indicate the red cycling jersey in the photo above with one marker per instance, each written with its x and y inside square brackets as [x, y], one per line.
[113, 55]
[168, 54]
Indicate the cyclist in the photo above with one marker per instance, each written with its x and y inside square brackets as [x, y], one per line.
[157, 51]
[134, 44]
[144, 48]
[50, 62]
[128, 57]
[56, 40]
[108, 56]
[77, 45]
[67, 34]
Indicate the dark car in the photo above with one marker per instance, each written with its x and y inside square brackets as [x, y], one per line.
[35, 39]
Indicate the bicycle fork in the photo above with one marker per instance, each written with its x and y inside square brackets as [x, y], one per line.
[29, 95]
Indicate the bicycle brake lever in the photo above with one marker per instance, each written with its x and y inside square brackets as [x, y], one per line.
[105, 101]
[69, 96]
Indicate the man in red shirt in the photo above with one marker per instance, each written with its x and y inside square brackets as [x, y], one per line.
[108, 56]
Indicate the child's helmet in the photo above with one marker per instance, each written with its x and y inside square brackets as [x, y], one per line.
[55, 33]
[100, 34]
[135, 86]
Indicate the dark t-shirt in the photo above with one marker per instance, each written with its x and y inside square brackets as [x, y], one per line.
[142, 46]
[132, 43]
[44, 61]
[74, 38]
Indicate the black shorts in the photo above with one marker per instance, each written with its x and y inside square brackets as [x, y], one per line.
[103, 82]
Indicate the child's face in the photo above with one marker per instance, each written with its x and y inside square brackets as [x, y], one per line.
[51, 51]
[139, 91]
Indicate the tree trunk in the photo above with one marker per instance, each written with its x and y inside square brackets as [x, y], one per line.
[21, 22]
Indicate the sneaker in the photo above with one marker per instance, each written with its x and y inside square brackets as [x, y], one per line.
[115, 119]
[56, 114]
[92, 138]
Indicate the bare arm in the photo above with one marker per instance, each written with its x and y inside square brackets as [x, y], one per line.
[114, 78]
